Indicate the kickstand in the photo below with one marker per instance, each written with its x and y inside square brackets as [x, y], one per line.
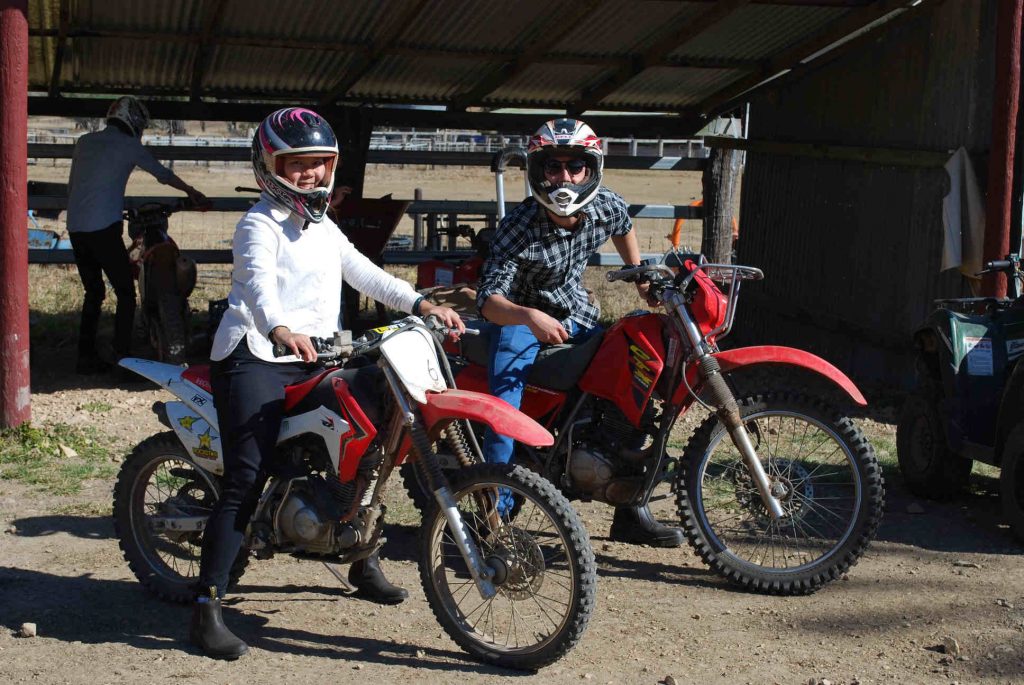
[333, 568]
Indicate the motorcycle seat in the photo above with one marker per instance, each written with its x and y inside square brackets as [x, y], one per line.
[198, 375]
[557, 367]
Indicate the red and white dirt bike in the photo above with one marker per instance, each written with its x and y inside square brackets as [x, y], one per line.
[776, 491]
[515, 590]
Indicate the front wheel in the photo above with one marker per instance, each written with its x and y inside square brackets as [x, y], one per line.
[1011, 482]
[544, 569]
[821, 468]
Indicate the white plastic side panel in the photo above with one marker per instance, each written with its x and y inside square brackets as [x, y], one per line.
[412, 355]
[320, 421]
[168, 376]
[200, 438]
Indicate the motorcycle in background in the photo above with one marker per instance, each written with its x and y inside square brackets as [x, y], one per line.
[166, 279]
[777, 492]
[968, 404]
[515, 589]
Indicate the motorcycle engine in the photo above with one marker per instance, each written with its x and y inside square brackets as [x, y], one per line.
[304, 520]
[606, 461]
[318, 513]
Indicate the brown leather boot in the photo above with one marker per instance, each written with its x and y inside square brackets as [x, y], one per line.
[209, 633]
[368, 578]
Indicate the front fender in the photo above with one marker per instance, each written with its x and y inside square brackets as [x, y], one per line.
[730, 360]
[501, 416]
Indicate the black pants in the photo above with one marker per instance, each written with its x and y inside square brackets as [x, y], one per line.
[249, 394]
[96, 253]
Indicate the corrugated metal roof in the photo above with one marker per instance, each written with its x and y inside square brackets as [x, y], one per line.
[430, 51]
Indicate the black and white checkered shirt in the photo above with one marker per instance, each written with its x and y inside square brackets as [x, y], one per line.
[535, 263]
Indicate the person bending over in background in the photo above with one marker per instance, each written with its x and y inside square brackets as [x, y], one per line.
[100, 167]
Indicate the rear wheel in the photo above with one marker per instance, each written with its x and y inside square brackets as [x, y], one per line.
[545, 574]
[928, 466]
[161, 503]
[169, 330]
[822, 470]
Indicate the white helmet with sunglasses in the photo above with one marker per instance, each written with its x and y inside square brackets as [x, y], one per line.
[561, 138]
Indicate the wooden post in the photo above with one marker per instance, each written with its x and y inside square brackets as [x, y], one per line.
[15, 393]
[417, 222]
[1005, 102]
[720, 178]
[353, 130]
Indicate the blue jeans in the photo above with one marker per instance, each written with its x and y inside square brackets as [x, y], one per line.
[513, 350]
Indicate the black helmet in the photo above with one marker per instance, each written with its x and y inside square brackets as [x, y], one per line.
[290, 131]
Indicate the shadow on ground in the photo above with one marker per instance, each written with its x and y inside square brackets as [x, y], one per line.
[119, 611]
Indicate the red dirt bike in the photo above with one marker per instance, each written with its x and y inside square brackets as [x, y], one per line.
[166, 279]
[776, 491]
[515, 591]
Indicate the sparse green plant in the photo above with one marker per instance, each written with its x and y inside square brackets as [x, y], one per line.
[56, 458]
[97, 407]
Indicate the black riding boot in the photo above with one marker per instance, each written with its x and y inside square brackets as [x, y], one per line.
[637, 526]
[368, 578]
[209, 633]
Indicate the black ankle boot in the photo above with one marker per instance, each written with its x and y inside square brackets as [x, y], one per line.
[209, 633]
[637, 526]
[371, 584]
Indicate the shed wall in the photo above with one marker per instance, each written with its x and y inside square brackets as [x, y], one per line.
[851, 250]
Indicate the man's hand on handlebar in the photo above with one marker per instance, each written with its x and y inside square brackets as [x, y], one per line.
[300, 345]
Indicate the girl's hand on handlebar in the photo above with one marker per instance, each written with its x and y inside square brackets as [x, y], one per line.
[447, 315]
[300, 345]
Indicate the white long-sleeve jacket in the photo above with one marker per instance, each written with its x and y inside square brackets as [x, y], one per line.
[287, 275]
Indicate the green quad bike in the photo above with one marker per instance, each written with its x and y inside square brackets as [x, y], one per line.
[969, 401]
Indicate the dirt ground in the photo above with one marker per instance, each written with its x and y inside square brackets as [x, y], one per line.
[936, 573]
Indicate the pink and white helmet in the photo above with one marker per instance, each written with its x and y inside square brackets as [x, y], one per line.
[564, 137]
[295, 131]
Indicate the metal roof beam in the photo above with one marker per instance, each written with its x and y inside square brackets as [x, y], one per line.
[677, 33]
[62, 39]
[544, 31]
[369, 60]
[789, 59]
[611, 126]
[405, 50]
[212, 17]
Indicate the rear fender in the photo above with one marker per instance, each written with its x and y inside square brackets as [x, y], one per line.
[730, 360]
[443, 407]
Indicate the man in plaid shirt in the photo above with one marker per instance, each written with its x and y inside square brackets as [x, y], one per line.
[532, 283]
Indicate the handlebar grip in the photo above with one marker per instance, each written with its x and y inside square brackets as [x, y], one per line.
[620, 275]
[281, 350]
[998, 265]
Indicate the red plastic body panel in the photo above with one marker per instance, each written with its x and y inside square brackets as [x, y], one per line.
[536, 403]
[199, 375]
[709, 303]
[731, 360]
[293, 394]
[638, 341]
[361, 432]
[476, 406]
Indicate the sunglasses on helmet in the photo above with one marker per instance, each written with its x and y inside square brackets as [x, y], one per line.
[573, 166]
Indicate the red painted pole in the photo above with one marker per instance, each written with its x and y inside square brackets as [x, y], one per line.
[14, 371]
[998, 206]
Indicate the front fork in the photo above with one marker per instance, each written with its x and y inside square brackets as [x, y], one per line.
[726, 408]
[728, 413]
[478, 569]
